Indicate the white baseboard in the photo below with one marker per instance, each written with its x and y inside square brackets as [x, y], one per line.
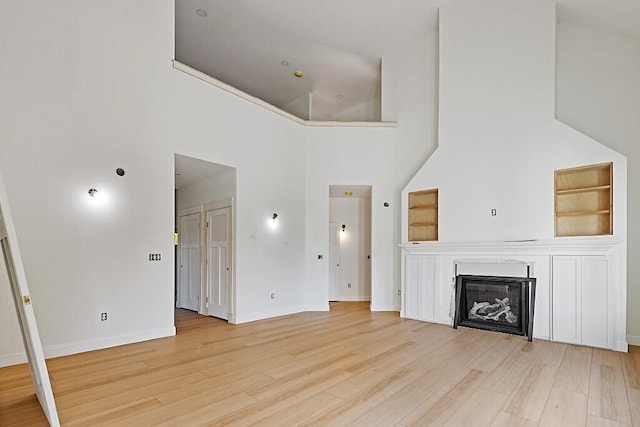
[633, 340]
[252, 317]
[385, 307]
[13, 359]
[81, 347]
[319, 307]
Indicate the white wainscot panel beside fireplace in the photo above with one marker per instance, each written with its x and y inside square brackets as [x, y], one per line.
[579, 298]
[587, 281]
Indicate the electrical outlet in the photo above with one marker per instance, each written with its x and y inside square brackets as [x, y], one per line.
[348, 285]
[103, 316]
[273, 295]
[399, 292]
[494, 212]
[320, 256]
[154, 257]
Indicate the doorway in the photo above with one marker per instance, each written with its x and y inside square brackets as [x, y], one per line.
[205, 194]
[349, 243]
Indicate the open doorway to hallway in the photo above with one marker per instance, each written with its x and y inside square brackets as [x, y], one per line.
[350, 243]
[205, 194]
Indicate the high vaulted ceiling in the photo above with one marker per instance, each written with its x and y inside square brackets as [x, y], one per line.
[257, 46]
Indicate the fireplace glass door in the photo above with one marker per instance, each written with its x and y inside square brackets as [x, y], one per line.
[502, 304]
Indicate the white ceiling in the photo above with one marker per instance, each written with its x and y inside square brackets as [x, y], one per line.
[189, 170]
[337, 44]
[357, 191]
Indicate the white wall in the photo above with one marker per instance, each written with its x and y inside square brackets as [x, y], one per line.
[355, 246]
[499, 142]
[598, 93]
[352, 156]
[88, 88]
[95, 111]
[409, 97]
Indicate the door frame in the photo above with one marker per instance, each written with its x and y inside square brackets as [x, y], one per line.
[181, 213]
[364, 192]
[334, 261]
[231, 291]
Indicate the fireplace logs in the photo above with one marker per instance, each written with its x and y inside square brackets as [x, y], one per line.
[496, 303]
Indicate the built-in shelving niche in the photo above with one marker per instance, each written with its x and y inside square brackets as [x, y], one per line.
[423, 215]
[584, 200]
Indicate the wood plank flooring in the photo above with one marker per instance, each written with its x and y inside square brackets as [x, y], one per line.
[347, 367]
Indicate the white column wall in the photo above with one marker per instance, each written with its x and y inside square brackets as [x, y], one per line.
[499, 142]
[352, 156]
[410, 98]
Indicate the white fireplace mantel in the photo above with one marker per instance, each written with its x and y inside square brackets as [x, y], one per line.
[576, 277]
[558, 246]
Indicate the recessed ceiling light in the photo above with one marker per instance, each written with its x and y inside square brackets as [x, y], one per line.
[298, 74]
[284, 63]
[339, 96]
[201, 12]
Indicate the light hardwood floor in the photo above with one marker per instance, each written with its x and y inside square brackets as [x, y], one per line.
[347, 367]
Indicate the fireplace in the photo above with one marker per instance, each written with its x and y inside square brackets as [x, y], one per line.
[496, 303]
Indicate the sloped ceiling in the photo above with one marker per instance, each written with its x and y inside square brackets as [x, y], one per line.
[257, 46]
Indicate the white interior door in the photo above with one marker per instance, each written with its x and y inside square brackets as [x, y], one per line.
[26, 316]
[189, 262]
[334, 260]
[218, 262]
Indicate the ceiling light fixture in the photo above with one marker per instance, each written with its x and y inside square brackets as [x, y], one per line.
[298, 74]
[201, 13]
[284, 63]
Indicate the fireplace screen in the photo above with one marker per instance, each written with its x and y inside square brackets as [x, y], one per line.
[502, 304]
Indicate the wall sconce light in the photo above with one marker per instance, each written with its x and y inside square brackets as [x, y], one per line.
[272, 222]
[344, 227]
[92, 192]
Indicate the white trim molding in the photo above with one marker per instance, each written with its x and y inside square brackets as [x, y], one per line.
[564, 245]
[81, 347]
[259, 102]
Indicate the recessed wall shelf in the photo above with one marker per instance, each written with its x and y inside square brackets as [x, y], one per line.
[584, 200]
[423, 215]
